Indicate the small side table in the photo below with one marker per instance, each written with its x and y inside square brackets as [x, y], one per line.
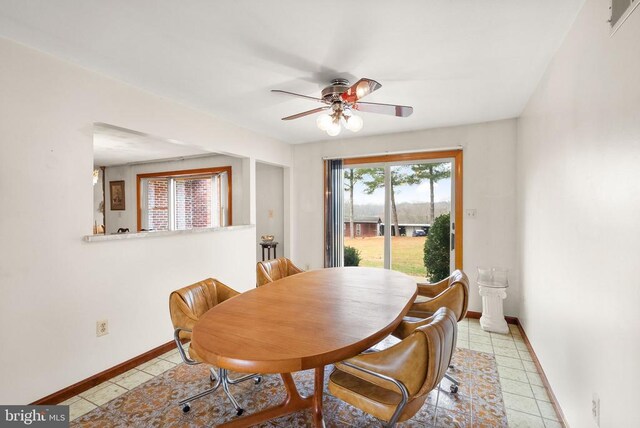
[268, 246]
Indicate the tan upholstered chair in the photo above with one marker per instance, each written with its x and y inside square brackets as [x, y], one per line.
[186, 306]
[393, 384]
[452, 293]
[273, 270]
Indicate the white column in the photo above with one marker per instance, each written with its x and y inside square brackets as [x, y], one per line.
[249, 190]
[289, 219]
[492, 318]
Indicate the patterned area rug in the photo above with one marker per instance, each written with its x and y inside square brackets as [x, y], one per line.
[154, 404]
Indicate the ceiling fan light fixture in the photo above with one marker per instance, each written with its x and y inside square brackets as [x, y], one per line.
[354, 123]
[340, 100]
[362, 90]
[334, 129]
[324, 121]
[333, 123]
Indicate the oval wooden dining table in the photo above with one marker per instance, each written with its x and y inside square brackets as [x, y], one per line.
[304, 321]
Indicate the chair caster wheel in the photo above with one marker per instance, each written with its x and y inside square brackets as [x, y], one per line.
[212, 377]
[239, 412]
[453, 389]
[257, 379]
[186, 408]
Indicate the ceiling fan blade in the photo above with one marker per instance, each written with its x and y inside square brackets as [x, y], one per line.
[298, 95]
[390, 109]
[306, 113]
[360, 89]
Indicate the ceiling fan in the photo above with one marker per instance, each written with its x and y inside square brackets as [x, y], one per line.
[341, 100]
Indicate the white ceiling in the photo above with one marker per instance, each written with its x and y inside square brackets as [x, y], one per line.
[118, 146]
[456, 62]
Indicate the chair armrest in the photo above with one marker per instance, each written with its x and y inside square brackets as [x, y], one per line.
[181, 314]
[262, 277]
[452, 298]
[183, 354]
[432, 290]
[403, 389]
[293, 269]
[407, 327]
[224, 292]
[388, 363]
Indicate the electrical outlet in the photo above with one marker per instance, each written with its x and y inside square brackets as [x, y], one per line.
[595, 408]
[472, 213]
[102, 328]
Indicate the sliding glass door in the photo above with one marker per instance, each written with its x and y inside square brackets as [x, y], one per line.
[421, 207]
[401, 215]
[364, 213]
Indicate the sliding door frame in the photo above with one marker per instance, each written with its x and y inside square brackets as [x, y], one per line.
[456, 155]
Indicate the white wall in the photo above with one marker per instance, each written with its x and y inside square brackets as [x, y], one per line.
[129, 217]
[270, 206]
[489, 187]
[578, 210]
[53, 285]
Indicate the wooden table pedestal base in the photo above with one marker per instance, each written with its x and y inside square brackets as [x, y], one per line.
[292, 403]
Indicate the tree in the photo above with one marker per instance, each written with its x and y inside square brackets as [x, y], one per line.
[375, 180]
[433, 172]
[351, 177]
[436, 249]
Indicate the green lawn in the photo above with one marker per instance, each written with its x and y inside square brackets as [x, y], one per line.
[407, 253]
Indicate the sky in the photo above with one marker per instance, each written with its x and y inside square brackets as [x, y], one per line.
[405, 193]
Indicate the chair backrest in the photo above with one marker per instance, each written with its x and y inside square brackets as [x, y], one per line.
[189, 303]
[425, 355]
[459, 285]
[273, 270]
[440, 337]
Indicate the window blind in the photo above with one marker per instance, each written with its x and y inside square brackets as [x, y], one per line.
[333, 216]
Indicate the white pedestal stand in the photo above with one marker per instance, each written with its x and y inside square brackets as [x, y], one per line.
[492, 318]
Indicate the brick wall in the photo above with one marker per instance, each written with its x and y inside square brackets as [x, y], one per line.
[157, 203]
[366, 229]
[193, 203]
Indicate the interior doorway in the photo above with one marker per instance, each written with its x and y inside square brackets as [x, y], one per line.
[270, 206]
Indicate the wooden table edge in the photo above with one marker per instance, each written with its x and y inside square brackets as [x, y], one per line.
[293, 401]
[291, 365]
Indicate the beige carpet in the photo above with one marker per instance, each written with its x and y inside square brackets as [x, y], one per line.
[154, 404]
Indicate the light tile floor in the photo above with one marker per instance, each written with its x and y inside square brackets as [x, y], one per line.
[525, 397]
[107, 391]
